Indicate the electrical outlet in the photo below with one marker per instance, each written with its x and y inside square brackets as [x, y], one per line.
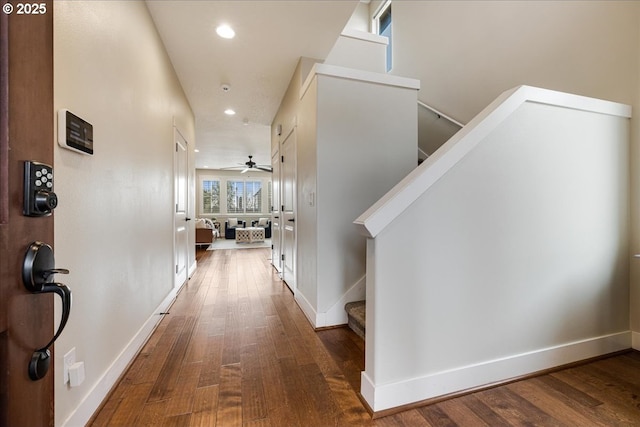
[69, 360]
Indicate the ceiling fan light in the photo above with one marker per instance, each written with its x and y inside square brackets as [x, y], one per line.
[229, 112]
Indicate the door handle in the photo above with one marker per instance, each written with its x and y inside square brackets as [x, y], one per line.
[48, 273]
[41, 358]
[38, 270]
[291, 220]
[187, 219]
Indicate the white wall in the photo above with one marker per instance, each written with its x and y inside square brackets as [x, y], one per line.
[465, 53]
[514, 260]
[635, 206]
[360, 19]
[306, 183]
[359, 50]
[114, 223]
[357, 137]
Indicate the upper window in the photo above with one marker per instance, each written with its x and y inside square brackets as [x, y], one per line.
[382, 23]
[211, 196]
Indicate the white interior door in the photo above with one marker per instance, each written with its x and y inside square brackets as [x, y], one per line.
[288, 214]
[276, 220]
[181, 237]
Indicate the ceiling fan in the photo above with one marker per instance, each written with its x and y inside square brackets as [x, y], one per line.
[247, 166]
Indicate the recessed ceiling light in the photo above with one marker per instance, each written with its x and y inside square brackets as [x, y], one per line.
[196, 150]
[206, 167]
[229, 112]
[225, 31]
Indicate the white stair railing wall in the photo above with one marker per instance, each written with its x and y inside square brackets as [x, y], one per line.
[505, 253]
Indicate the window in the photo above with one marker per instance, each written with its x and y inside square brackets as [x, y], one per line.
[253, 196]
[210, 196]
[235, 196]
[244, 197]
[382, 24]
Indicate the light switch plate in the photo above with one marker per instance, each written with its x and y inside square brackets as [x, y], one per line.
[69, 359]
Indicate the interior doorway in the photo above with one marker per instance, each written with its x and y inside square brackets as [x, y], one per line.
[288, 214]
[181, 229]
[276, 220]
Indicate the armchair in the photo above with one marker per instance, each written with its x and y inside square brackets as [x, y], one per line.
[230, 226]
[264, 223]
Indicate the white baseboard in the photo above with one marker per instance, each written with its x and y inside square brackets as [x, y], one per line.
[193, 268]
[307, 308]
[392, 395]
[336, 315]
[101, 389]
[635, 340]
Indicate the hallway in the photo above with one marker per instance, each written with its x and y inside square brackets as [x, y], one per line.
[235, 350]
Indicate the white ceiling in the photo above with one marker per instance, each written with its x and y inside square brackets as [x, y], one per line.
[258, 64]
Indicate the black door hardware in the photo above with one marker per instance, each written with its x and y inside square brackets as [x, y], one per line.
[38, 270]
[39, 198]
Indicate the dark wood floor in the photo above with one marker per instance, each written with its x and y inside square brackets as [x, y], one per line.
[236, 350]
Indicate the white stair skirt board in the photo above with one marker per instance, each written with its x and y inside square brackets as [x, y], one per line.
[336, 315]
[414, 390]
[101, 389]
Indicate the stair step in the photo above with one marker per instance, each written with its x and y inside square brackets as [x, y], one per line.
[356, 312]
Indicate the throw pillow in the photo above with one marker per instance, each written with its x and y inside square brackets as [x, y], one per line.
[233, 222]
[263, 222]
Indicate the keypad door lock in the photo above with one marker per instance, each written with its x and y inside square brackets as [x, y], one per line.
[39, 198]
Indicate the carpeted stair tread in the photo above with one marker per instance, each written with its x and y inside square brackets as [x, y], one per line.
[356, 312]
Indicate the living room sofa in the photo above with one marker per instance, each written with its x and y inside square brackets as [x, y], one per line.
[206, 232]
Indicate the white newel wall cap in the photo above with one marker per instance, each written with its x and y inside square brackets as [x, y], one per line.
[363, 35]
[360, 75]
[407, 191]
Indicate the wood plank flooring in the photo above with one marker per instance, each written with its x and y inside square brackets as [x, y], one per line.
[236, 350]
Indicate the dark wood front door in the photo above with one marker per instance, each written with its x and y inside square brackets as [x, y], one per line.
[26, 133]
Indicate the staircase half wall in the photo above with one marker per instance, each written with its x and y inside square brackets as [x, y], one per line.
[505, 253]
